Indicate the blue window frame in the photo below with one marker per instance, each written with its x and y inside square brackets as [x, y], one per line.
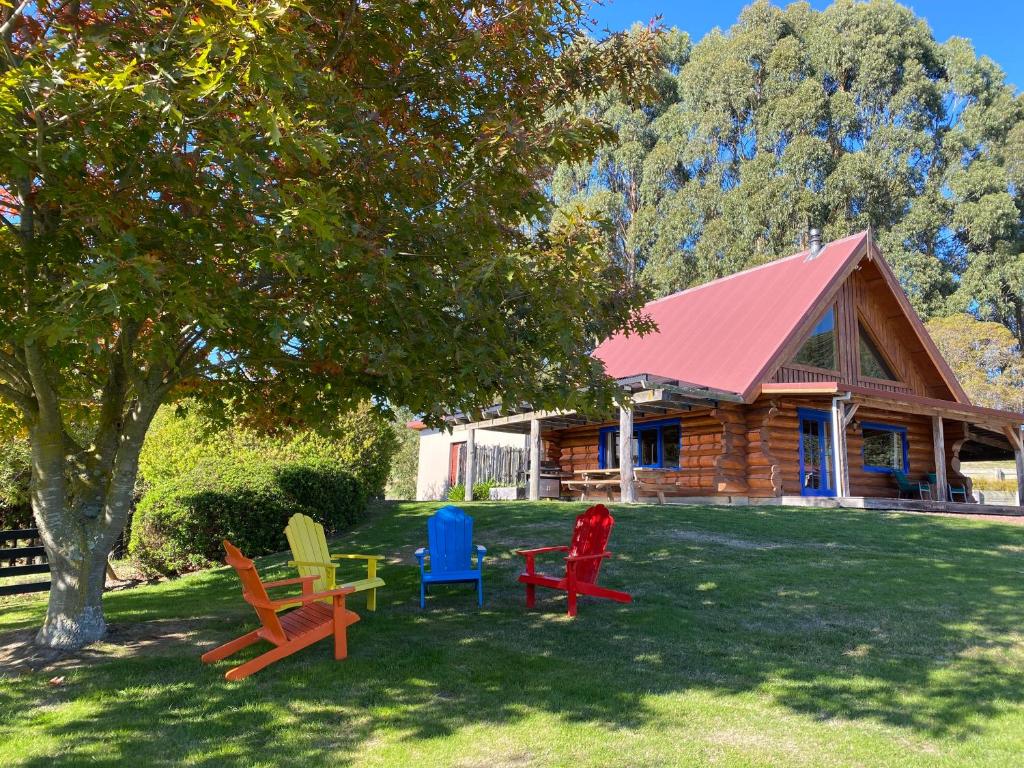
[656, 444]
[884, 448]
[817, 465]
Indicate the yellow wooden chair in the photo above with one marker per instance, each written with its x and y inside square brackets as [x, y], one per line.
[312, 558]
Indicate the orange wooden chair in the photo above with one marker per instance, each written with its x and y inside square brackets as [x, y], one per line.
[291, 631]
[584, 556]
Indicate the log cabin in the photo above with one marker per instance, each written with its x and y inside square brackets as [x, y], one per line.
[806, 380]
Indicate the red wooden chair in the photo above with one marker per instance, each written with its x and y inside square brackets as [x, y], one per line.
[582, 563]
[289, 632]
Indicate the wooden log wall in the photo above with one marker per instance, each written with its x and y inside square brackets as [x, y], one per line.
[712, 456]
[773, 447]
[764, 472]
[920, 453]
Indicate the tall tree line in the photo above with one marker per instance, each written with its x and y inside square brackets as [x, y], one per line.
[845, 118]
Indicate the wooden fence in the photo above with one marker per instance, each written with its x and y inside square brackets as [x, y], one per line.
[22, 554]
[501, 463]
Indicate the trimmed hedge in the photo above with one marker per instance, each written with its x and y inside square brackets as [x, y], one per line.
[204, 478]
[179, 524]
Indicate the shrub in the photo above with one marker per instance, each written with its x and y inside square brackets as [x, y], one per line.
[336, 498]
[481, 490]
[362, 442]
[180, 523]
[402, 479]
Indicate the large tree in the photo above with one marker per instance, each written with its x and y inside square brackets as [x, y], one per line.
[297, 206]
[845, 118]
[986, 358]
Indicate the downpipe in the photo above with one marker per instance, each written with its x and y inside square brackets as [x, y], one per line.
[839, 443]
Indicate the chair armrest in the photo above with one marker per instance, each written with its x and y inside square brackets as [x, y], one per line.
[421, 553]
[357, 557]
[290, 582]
[480, 552]
[577, 558]
[305, 597]
[540, 550]
[312, 564]
[314, 596]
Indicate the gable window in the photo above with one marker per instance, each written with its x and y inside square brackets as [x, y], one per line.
[655, 444]
[820, 349]
[872, 362]
[885, 447]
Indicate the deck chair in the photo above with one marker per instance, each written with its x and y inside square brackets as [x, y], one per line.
[450, 551]
[582, 562]
[905, 485]
[312, 558]
[952, 489]
[289, 632]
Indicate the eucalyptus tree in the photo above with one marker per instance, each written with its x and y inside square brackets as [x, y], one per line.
[615, 184]
[296, 206]
[850, 117]
[845, 118]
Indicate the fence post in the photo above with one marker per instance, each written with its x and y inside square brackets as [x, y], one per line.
[535, 459]
[470, 461]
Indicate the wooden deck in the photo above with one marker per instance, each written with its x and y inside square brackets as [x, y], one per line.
[857, 502]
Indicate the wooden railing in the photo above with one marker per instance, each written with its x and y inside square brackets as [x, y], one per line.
[26, 556]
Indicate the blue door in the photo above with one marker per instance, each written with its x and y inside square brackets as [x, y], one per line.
[817, 467]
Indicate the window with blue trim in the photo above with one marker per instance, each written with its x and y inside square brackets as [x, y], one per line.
[885, 447]
[655, 444]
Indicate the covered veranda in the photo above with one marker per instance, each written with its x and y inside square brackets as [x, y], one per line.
[648, 395]
[995, 433]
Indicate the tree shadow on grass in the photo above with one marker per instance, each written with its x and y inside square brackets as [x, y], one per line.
[898, 620]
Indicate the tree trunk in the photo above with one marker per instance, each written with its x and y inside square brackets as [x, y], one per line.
[80, 519]
[74, 617]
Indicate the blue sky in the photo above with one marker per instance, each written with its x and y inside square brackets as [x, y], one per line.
[994, 26]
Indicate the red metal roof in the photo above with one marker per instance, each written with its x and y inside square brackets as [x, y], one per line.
[724, 333]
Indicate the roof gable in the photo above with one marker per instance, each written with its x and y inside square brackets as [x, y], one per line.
[726, 334]
[732, 334]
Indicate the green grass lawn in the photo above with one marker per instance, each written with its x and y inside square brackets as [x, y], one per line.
[758, 637]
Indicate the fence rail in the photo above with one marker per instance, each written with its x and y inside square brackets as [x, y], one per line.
[25, 557]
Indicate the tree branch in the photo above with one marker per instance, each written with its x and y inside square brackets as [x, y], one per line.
[15, 372]
[24, 402]
[16, 14]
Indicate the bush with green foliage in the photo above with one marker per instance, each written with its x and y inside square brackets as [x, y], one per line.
[203, 481]
[15, 472]
[481, 490]
[404, 466]
[246, 498]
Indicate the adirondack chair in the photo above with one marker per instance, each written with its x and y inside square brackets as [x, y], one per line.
[952, 489]
[908, 486]
[449, 549]
[289, 632]
[582, 563]
[312, 558]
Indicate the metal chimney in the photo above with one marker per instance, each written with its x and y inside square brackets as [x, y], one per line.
[815, 248]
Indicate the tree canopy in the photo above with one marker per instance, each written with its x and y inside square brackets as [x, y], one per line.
[986, 358]
[845, 118]
[294, 206]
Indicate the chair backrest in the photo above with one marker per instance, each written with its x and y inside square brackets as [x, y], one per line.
[450, 540]
[902, 481]
[590, 537]
[253, 589]
[308, 542]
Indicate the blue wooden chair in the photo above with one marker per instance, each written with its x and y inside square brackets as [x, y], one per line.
[450, 547]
